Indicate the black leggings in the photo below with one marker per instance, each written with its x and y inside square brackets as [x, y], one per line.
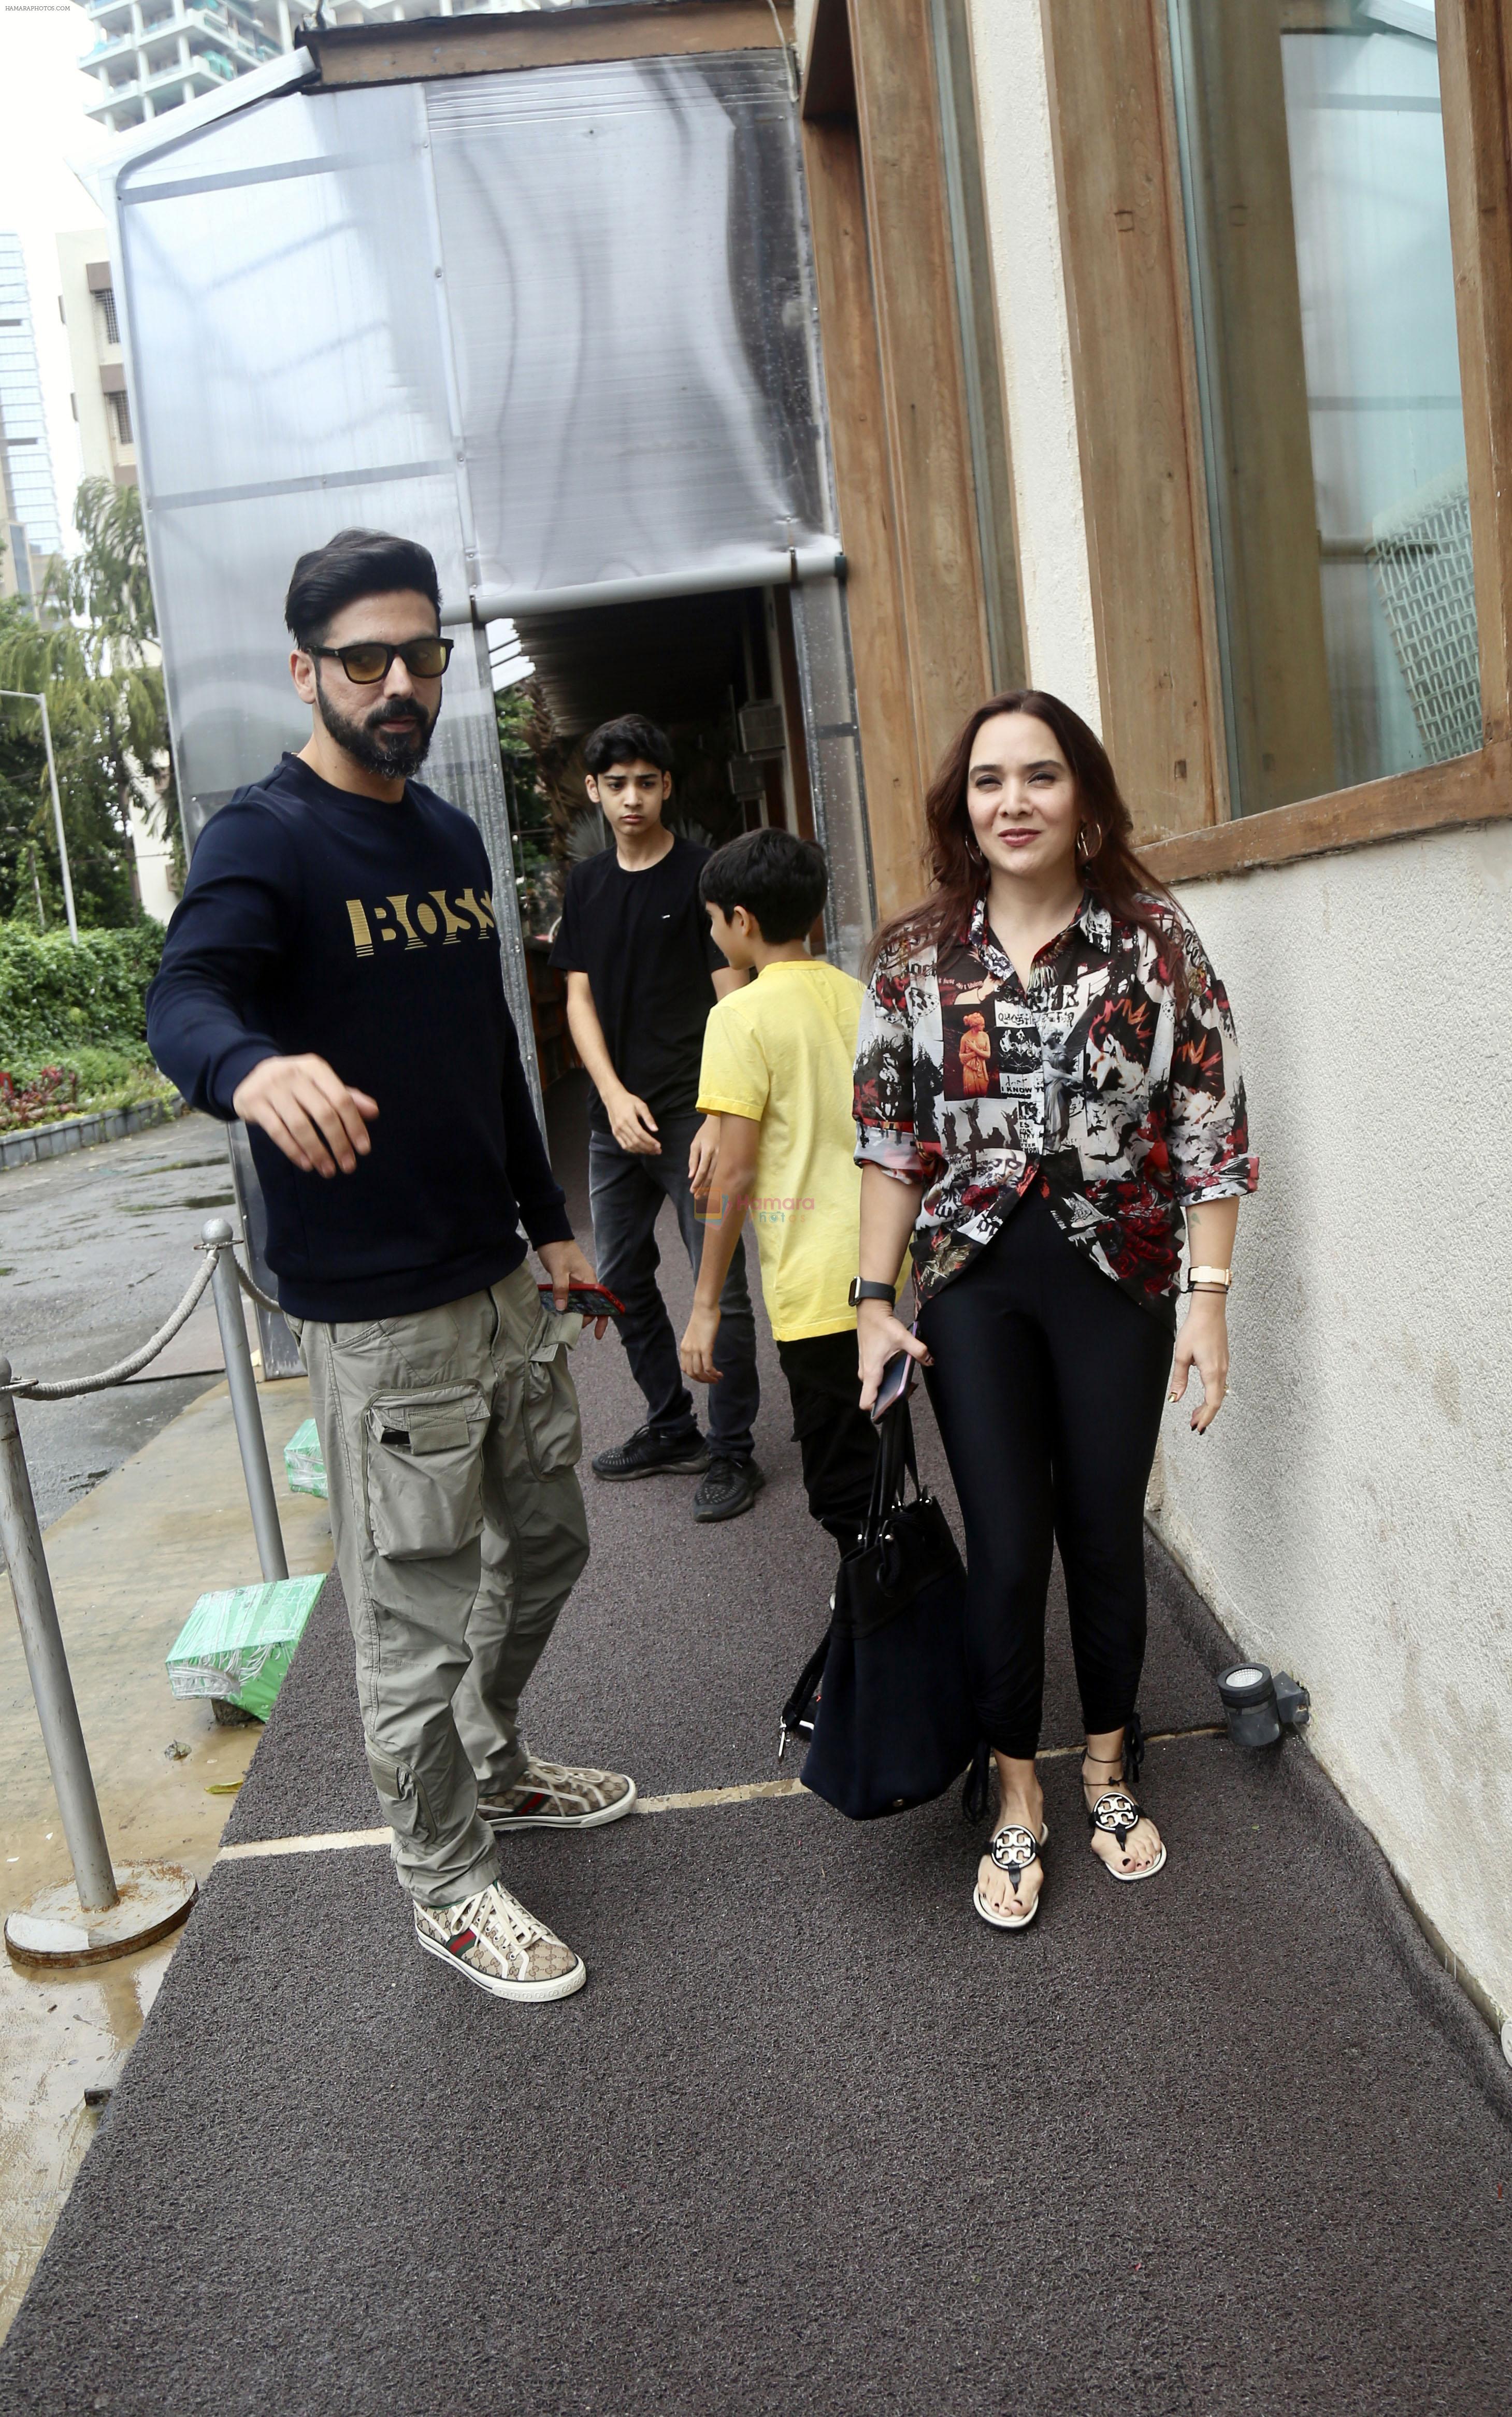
[1048, 1384]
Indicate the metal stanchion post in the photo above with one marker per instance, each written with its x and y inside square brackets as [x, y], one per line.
[244, 1402]
[104, 1913]
[47, 1666]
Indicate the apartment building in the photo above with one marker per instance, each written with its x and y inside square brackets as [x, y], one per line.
[31, 529]
[101, 405]
[149, 57]
[102, 408]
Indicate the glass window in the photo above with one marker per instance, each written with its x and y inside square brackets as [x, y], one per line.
[1318, 231]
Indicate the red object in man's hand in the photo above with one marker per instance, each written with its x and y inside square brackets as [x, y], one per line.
[589, 1301]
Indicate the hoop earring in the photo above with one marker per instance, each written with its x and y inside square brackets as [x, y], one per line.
[1085, 854]
[973, 851]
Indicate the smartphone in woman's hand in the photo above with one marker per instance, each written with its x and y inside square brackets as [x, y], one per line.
[895, 1385]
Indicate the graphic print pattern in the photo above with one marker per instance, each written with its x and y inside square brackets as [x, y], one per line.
[1128, 1109]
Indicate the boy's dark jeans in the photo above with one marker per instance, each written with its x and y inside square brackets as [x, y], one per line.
[836, 1438]
[626, 1191]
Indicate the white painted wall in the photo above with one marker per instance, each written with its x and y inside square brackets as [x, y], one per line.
[154, 857]
[1023, 226]
[1349, 1517]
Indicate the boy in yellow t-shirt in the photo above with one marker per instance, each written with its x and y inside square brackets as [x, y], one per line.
[776, 1072]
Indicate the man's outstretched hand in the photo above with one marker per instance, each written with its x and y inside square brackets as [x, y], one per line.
[565, 1265]
[303, 1104]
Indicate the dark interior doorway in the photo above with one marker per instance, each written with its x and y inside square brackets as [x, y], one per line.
[719, 672]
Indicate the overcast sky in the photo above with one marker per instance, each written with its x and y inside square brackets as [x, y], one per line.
[45, 127]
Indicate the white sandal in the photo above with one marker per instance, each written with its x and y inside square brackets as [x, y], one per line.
[1013, 1849]
[1114, 1811]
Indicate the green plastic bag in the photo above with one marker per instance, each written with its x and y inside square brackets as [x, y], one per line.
[302, 1462]
[238, 1645]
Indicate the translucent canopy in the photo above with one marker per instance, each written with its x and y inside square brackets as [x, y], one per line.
[557, 323]
[630, 321]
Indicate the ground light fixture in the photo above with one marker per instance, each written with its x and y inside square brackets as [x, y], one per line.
[1258, 1705]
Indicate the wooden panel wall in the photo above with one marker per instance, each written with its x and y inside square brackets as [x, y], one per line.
[897, 412]
[929, 440]
[1123, 251]
[890, 755]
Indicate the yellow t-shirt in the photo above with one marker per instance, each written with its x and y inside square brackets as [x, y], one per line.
[781, 1051]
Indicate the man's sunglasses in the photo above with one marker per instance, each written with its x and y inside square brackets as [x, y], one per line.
[369, 660]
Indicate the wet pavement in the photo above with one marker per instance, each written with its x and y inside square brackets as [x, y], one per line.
[95, 1250]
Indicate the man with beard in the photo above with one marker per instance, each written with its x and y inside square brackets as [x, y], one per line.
[332, 977]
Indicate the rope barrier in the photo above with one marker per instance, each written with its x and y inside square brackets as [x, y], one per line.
[255, 1292]
[33, 1388]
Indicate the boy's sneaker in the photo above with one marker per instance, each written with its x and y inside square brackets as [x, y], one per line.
[558, 1796]
[492, 1941]
[646, 1455]
[731, 1486]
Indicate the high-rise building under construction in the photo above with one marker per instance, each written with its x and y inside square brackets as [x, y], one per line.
[151, 55]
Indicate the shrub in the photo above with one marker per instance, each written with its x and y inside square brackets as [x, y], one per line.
[55, 998]
[51, 1094]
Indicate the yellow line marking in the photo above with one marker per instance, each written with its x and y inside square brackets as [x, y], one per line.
[252, 1849]
[696, 1799]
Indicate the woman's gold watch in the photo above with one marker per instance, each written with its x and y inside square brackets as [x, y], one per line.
[1217, 1279]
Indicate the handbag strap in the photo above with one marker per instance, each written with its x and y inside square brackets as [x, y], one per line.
[799, 1702]
[895, 1459]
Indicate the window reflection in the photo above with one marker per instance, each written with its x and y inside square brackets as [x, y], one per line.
[1317, 222]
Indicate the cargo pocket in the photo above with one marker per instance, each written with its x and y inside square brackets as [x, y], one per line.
[423, 1470]
[549, 1411]
[402, 1794]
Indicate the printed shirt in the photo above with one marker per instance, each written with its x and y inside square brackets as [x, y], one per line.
[1128, 1110]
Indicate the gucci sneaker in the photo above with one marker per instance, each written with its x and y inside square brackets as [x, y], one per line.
[493, 1942]
[557, 1796]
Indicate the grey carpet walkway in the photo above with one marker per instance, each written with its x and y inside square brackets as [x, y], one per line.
[811, 2138]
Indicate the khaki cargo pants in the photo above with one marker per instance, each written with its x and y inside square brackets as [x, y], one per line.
[450, 1442]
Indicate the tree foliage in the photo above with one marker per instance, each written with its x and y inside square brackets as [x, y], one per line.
[92, 647]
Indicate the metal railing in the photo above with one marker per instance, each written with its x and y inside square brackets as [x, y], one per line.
[117, 1908]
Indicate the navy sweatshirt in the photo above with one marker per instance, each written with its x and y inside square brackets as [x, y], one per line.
[315, 920]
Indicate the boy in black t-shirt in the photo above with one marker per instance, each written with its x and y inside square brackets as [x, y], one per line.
[642, 974]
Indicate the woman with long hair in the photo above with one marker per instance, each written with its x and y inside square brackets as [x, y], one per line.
[1047, 1083]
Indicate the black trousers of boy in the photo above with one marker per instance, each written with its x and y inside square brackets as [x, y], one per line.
[836, 1438]
[1047, 1383]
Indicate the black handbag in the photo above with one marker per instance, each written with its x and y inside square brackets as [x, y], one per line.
[893, 1724]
